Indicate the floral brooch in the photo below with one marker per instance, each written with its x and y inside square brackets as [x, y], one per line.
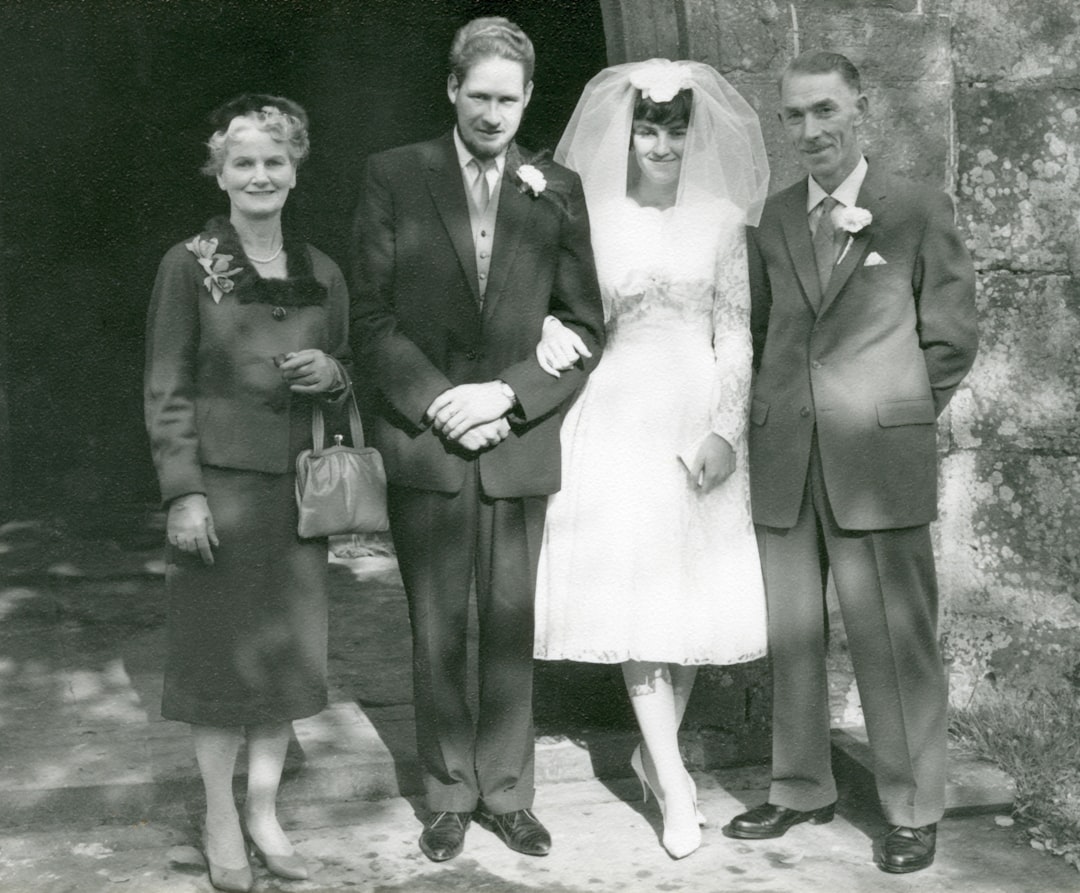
[219, 276]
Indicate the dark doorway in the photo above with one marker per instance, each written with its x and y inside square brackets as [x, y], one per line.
[106, 105]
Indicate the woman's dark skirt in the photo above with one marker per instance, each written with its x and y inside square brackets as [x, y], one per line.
[246, 636]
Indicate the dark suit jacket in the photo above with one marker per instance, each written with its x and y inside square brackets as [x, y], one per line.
[417, 324]
[212, 392]
[872, 369]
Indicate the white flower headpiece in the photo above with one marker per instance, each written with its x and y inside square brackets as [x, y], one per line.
[660, 79]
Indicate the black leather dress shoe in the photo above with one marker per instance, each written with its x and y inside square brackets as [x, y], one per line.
[520, 830]
[907, 849]
[444, 835]
[765, 821]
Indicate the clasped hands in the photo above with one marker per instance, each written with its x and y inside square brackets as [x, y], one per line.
[472, 415]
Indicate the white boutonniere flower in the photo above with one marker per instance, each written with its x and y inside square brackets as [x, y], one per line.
[661, 79]
[851, 220]
[531, 180]
[219, 279]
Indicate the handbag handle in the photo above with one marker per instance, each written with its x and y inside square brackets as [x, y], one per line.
[318, 427]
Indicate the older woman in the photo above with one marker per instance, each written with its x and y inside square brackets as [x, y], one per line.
[247, 327]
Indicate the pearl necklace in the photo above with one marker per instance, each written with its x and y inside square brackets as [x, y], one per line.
[266, 260]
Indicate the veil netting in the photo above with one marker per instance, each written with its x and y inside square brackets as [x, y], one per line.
[724, 155]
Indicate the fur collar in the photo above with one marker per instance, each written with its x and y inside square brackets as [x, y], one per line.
[300, 287]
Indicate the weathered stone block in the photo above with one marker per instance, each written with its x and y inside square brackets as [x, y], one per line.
[908, 130]
[1023, 392]
[888, 47]
[1019, 164]
[1016, 42]
[1007, 532]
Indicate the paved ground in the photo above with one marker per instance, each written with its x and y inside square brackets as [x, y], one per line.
[97, 793]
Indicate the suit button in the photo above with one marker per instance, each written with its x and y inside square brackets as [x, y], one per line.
[279, 313]
[805, 412]
[816, 364]
[470, 355]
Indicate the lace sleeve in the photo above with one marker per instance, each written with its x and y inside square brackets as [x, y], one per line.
[731, 338]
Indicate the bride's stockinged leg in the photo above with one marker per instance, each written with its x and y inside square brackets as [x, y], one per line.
[653, 697]
[682, 682]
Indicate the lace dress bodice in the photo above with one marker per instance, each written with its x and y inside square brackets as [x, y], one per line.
[677, 278]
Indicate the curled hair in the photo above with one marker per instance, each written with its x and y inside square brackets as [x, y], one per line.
[675, 111]
[491, 36]
[824, 62]
[285, 121]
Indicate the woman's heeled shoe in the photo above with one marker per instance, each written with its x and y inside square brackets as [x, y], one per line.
[235, 880]
[637, 764]
[292, 867]
[681, 845]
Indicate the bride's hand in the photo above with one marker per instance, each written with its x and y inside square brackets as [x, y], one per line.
[559, 348]
[714, 463]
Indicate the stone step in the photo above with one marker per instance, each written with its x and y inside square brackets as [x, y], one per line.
[972, 785]
[146, 771]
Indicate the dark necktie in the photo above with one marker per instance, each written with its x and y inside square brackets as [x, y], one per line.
[825, 242]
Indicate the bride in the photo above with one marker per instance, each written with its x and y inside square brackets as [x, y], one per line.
[649, 558]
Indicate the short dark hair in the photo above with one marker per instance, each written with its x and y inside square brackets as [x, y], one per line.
[675, 111]
[491, 36]
[824, 62]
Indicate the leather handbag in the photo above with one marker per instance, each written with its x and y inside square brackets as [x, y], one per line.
[340, 490]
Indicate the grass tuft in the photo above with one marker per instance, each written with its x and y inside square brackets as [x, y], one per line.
[1035, 737]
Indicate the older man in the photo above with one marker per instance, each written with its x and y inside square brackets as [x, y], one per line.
[864, 326]
[462, 250]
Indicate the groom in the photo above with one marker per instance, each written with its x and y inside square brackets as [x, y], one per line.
[462, 249]
[863, 320]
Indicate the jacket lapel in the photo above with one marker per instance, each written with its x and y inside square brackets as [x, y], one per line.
[871, 197]
[796, 228]
[510, 224]
[448, 193]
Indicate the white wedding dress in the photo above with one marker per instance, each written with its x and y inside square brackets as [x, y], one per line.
[638, 563]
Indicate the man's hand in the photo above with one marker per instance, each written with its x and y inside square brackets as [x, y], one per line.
[309, 371]
[190, 526]
[462, 408]
[713, 464]
[559, 348]
[483, 436]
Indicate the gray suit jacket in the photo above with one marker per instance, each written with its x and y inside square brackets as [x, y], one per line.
[871, 369]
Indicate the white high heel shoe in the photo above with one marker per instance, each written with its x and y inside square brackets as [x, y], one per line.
[681, 842]
[637, 764]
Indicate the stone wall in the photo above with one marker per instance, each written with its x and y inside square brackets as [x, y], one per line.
[1010, 559]
[979, 97]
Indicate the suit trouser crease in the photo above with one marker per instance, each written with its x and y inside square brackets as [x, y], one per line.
[442, 540]
[887, 590]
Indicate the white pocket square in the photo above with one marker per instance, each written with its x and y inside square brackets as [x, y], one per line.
[873, 259]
